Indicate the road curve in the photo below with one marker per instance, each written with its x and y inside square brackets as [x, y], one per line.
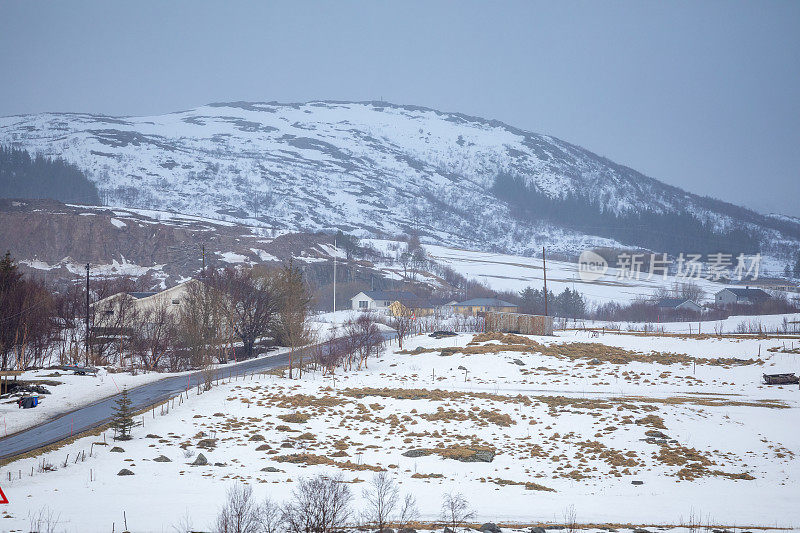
[98, 413]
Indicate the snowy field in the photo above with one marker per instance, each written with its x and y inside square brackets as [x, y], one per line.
[514, 273]
[784, 323]
[524, 427]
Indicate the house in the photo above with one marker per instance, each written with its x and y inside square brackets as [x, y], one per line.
[772, 284]
[734, 295]
[108, 309]
[679, 304]
[379, 300]
[481, 305]
[415, 308]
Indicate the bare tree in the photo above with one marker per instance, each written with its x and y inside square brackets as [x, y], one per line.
[570, 520]
[26, 317]
[201, 323]
[44, 521]
[405, 260]
[402, 324]
[294, 309]
[319, 505]
[362, 337]
[690, 291]
[382, 496]
[408, 512]
[252, 303]
[456, 511]
[269, 517]
[153, 337]
[240, 514]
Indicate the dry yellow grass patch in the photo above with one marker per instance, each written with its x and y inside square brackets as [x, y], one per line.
[529, 485]
[509, 342]
[312, 459]
[295, 418]
[433, 395]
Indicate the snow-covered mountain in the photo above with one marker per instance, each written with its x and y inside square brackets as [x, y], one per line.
[377, 169]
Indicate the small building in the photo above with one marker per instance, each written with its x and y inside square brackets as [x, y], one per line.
[481, 305]
[772, 284]
[379, 300]
[741, 296]
[679, 304]
[415, 308]
[518, 323]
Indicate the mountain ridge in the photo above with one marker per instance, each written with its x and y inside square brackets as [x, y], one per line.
[375, 168]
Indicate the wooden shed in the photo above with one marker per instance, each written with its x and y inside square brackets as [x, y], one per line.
[519, 323]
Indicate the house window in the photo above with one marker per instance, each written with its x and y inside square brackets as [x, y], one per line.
[175, 302]
[363, 304]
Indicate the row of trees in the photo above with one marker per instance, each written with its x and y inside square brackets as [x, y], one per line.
[324, 503]
[224, 314]
[568, 304]
[25, 176]
[27, 316]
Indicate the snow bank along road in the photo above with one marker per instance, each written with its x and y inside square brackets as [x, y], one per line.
[98, 413]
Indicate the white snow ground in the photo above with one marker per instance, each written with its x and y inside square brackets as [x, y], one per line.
[558, 419]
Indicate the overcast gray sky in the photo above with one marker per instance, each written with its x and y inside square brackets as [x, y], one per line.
[702, 95]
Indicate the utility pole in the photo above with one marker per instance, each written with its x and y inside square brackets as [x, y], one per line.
[544, 268]
[334, 279]
[86, 343]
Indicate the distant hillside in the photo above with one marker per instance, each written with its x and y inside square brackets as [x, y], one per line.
[378, 169]
[24, 176]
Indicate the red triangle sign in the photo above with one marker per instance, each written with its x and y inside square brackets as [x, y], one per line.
[3, 498]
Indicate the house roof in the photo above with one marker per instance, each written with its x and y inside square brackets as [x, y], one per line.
[140, 295]
[747, 293]
[768, 282]
[487, 302]
[673, 302]
[390, 295]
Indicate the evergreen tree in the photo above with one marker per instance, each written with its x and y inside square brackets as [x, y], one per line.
[25, 176]
[796, 268]
[122, 423]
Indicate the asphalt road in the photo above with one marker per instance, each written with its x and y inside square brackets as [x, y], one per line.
[99, 413]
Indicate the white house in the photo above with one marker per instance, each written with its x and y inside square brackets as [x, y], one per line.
[745, 296]
[379, 300]
[172, 298]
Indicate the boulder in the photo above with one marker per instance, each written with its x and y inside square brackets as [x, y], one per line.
[490, 527]
[270, 469]
[480, 456]
[637, 482]
[200, 460]
[518, 362]
[419, 452]
[117, 449]
[124, 472]
[152, 436]
[537, 530]
[406, 530]
[207, 443]
[162, 459]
